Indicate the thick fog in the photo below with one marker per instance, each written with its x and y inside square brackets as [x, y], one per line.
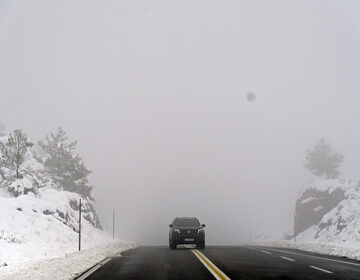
[156, 94]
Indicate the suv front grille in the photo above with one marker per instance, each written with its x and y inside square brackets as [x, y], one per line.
[188, 231]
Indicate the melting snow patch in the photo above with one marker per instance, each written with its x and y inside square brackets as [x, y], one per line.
[307, 200]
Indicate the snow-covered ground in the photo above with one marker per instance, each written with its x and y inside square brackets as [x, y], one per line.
[39, 225]
[66, 267]
[39, 238]
[316, 247]
[42, 226]
[337, 232]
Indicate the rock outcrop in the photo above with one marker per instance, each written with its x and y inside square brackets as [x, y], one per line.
[313, 204]
[328, 211]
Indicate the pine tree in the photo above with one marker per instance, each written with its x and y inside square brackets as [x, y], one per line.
[13, 154]
[63, 166]
[322, 160]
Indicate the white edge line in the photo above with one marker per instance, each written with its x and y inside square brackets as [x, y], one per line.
[91, 271]
[288, 259]
[266, 252]
[208, 267]
[316, 257]
[321, 269]
[105, 261]
[88, 273]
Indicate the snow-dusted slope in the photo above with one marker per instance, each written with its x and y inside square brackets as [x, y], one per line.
[327, 220]
[340, 225]
[43, 225]
[38, 219]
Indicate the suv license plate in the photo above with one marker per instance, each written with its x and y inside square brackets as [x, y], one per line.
[189, 239]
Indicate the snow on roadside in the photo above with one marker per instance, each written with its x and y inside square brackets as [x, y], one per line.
[39, 224]
[320, 248]
[43, 225]
[327, 218]
[65, 267]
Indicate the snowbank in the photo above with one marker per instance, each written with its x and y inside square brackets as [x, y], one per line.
[339, 225]
[43, 225]
[320, 248]
[39, 224]
[271, 235]
[328, 214]
[66, 267]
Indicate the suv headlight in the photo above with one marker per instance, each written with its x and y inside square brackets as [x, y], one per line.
[177, 230]
[200, 230]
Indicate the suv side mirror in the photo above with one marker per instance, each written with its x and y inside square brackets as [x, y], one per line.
[171, 226]
[203, 225]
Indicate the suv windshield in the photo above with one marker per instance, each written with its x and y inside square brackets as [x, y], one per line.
[186, 223]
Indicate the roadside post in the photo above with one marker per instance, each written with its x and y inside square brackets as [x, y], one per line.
[114, 223]
[80, 225]
[294, 226]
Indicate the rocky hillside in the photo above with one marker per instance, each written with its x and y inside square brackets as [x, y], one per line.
[328, 211]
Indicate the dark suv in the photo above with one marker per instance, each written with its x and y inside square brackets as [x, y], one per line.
[186, 230]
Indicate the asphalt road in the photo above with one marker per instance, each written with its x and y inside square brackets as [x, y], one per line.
[225, 262]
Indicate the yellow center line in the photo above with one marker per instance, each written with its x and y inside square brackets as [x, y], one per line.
[210, 265]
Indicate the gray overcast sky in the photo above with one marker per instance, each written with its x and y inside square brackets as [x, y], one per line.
[155, 92]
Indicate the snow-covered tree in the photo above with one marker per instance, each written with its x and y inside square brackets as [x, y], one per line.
[63, 165]
[12, 155]
[323, 160]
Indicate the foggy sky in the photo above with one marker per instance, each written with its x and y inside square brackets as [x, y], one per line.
[155, 92]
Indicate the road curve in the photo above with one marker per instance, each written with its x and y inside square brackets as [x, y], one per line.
[232, 262]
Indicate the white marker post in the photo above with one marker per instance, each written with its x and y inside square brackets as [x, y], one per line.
[80, 225]
[114, 223]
